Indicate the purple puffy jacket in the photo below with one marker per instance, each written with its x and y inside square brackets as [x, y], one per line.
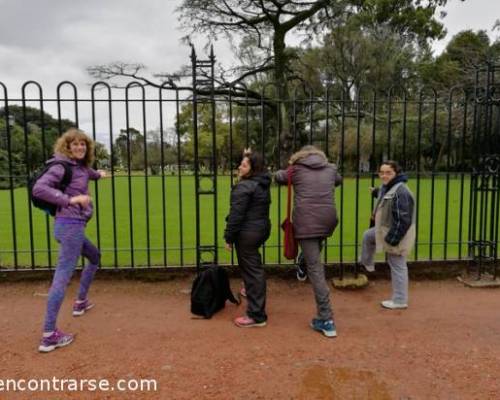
[45, 188]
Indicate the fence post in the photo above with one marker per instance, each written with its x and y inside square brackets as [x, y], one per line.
[485, 176]
[203, 94]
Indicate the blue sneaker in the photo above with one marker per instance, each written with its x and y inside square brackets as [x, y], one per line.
[327, 327]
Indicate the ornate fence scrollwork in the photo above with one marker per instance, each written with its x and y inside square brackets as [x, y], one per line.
[485, 178]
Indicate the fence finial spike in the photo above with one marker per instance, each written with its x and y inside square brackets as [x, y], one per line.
[193, 52]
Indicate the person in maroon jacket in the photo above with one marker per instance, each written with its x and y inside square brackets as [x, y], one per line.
[314, 219]
[74, 209]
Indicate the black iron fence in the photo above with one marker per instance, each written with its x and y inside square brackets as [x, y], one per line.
[170, 154]
[485, 178]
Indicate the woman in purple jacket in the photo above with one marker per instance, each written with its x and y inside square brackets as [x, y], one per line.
[74, 209]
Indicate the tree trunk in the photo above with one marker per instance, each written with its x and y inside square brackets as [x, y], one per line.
[284, 116]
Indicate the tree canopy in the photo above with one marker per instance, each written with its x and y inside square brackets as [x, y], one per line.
[265, 24]
[346, 45]
[33, 133]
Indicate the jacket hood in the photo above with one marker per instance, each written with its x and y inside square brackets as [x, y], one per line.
[263, 179]
[397, 179]
[312, 158]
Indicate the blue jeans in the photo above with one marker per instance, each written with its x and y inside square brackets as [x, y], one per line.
[397, 263]
[73, 243]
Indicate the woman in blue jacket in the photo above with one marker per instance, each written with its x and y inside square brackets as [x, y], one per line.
[393, 231]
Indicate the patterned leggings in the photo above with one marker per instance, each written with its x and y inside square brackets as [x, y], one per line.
[73, 243]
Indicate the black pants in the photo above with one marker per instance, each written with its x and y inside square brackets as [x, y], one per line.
[247, 249]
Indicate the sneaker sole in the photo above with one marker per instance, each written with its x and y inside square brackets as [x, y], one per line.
[300, 278]
[80, 313]
[256, 325]
[399, 307]
[328, 334]
[48, 349]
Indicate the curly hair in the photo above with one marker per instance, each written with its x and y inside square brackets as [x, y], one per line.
[62, 145]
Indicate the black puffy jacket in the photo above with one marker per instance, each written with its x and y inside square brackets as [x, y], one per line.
[250, 201]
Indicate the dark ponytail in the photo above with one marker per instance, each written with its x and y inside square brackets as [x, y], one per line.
[257, 165]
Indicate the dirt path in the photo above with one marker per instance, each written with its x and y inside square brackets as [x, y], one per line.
[445, 346]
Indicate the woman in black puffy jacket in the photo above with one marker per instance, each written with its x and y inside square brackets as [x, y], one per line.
[247, 228]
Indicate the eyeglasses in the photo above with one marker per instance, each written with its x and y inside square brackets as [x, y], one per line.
[386, 173]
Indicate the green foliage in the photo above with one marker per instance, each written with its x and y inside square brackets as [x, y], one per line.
[408, 17]
[228, 143]
[130, 147]
[352, 56]
[265, 25]
[32, 137]
[456, 66]
[18, 170]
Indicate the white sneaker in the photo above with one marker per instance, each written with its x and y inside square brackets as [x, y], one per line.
[393, 306]
[370, 268]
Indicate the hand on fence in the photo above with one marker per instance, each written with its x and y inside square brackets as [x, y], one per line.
[102, 173]
[228, 246]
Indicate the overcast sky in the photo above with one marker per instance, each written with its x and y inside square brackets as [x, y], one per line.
[54, 40]
[50, 41]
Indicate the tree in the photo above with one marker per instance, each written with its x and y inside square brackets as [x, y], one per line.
[101, 156]
[264, 25]
[225, 148]
[161, 153]
[456, 66]
[41, 131]
[269, 22]
[130, 145]
[32, 137]
[352, 56]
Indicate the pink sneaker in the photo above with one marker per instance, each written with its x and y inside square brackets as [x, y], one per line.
[57, 339]
[247, 322]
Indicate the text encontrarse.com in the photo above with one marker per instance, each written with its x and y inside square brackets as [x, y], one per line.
[77, 385]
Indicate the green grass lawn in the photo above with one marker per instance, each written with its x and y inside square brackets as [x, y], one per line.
[343, 246]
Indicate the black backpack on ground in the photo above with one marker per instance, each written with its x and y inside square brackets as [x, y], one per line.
[210, 291]
[43, 205]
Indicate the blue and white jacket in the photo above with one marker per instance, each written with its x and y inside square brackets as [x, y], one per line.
[395, 217]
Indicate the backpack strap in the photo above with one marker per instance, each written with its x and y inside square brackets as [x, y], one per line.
[223, 279]
[289, 194]
[68, 173]
[231, 298]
